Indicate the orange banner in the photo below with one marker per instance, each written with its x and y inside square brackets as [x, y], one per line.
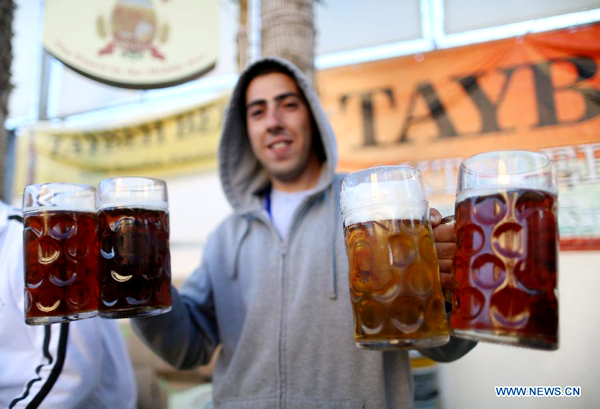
[537, 92]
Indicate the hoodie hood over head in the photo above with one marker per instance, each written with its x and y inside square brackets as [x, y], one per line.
[242, 176]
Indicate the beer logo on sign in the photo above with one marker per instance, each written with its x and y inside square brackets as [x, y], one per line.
[134, 28]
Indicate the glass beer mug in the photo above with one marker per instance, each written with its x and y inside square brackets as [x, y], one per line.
[60, 252]
[395, 287]
[135, 264]
[505, 270]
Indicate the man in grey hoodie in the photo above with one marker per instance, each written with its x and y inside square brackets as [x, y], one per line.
[272, 287]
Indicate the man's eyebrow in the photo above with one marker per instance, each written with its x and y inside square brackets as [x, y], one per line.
[256, 102]
[278, 98]
[283, 96]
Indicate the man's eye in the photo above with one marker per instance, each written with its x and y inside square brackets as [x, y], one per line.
[291, 105]
[255, 113]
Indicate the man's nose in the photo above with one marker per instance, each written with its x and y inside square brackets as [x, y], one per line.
[273, 118]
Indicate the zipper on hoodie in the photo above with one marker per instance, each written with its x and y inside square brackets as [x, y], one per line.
[282, 311]
[283, 244]
[282, 328]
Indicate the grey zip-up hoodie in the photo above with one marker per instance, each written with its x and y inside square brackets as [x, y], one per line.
[280, 307]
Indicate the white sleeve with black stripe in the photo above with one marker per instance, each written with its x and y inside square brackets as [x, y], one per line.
[51, 344]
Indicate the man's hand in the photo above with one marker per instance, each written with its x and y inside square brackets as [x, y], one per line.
[445, 245]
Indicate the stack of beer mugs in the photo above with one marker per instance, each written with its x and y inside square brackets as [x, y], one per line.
[505, 269]
[88, 254]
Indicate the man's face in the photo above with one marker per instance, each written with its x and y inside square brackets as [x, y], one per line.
[279, 126]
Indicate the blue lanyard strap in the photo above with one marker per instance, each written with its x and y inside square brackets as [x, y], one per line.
[268, 201]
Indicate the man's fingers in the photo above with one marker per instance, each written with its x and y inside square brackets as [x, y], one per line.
[446, 280]
[445, 266]
[445, 250]
[435, 216]
[444, 233]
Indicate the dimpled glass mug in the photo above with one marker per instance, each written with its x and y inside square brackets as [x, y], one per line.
[60, 253]
[395, 287]
[505, 269]
[135, 262]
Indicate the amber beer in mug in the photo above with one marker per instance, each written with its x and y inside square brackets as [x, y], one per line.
[395, 287]
[506, 260]
[60, 252]
[135, 264]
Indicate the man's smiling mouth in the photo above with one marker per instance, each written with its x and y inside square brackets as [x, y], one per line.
[279, 145]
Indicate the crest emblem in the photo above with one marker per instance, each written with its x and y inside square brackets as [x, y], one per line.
[133, 28]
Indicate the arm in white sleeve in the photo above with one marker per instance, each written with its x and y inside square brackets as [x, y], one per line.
[58, 365]
[59, 372]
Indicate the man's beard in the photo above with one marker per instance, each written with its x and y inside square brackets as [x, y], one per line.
[290, 175]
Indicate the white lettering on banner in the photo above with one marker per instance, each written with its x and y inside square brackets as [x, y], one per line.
[589, 150]
[564, 158]
[574, 164]
[439, 175]
[578, 165]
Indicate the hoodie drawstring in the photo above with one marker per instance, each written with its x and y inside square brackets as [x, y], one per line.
[334, 234]
[233, 274]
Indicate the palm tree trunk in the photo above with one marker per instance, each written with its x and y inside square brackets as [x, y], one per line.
[6, 18]
[288, 32]
[243, 32]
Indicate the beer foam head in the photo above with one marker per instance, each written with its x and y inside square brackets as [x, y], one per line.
[387, 200]
[59, 197]
[136, 192]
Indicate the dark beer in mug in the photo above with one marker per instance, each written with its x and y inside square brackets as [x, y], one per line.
[135, 264]
[60, 253]
[505, 269]
[135, 269]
